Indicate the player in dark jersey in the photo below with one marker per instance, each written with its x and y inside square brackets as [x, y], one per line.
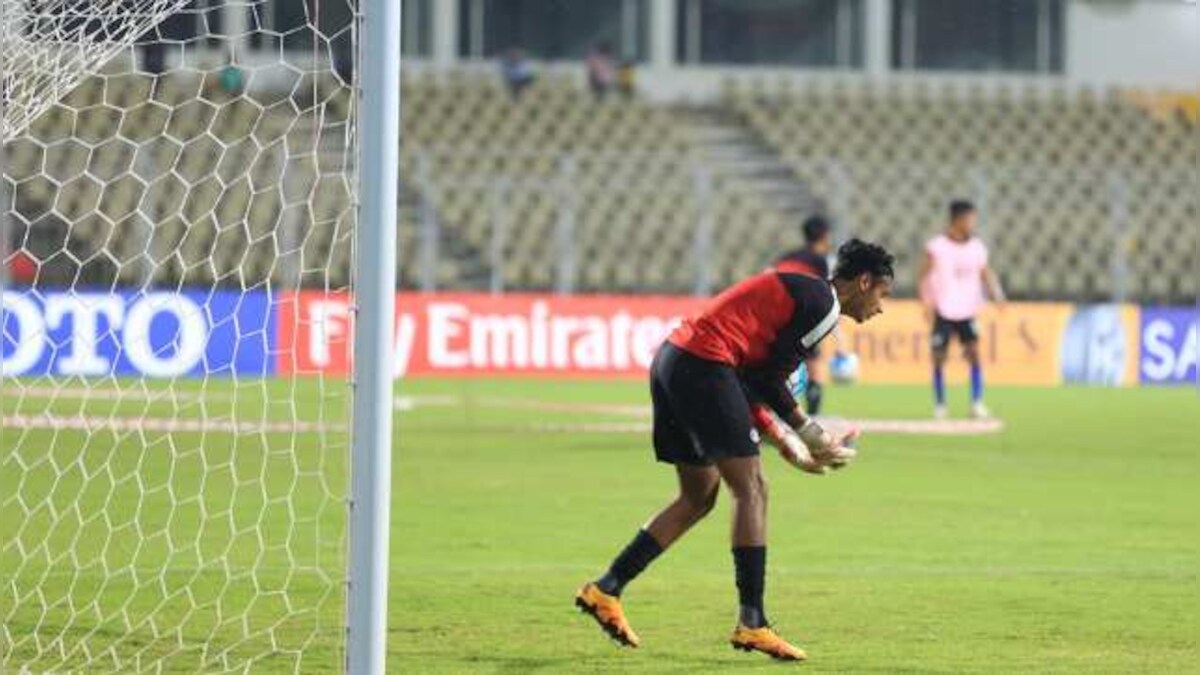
[735, 353]
[811, 259]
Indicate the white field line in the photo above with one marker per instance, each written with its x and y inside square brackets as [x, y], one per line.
[409, 403]
[52, 422]
[402, 403]
[566, 406]
[906, 427]
[878, 426]
[47, 421]
[925, 427]
[110, 393]
[574, 428]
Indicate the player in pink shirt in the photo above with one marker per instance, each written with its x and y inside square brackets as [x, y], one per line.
[952, 282]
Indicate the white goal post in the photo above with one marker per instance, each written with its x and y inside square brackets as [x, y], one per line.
[371, 461]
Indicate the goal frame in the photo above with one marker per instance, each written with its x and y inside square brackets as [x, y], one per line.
[374, 308]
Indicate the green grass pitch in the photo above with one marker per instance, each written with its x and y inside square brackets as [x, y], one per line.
[1068, 542]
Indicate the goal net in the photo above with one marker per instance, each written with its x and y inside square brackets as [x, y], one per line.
[177, 211]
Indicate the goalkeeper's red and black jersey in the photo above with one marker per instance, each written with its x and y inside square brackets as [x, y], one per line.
[763, 326]
[803, 261]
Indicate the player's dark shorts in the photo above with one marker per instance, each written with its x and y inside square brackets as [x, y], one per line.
[700, 410]
[943, 328]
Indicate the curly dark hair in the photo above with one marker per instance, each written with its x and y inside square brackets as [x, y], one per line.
[857, 257]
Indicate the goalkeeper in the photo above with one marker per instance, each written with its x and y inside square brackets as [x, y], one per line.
[737, 353]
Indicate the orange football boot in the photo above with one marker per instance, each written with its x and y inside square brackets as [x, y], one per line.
[606, 610]
[767, 641]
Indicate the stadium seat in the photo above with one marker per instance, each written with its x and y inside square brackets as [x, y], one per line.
[1026, 155]
[242, 188]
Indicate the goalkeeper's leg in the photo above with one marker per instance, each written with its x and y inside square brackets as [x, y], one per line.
[748, 486]
[698, 489]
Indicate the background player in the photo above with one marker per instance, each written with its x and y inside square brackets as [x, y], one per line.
[738, 351]
[951, 283]
[811, 259]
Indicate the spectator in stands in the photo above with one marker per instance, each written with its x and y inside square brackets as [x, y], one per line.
[601, 71]
[516, 71]
[627, 79]
[231, 78]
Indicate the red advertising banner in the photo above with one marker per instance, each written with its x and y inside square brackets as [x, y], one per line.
[480, 334]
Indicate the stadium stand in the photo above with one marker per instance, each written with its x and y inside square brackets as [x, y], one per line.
[1070, 177]
[883, 158]
[623, 168]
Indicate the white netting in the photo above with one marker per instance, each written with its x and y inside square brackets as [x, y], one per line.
[173, 465]
[48, 46]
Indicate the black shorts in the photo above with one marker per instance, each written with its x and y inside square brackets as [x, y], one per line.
[701, 413]
[966, 330]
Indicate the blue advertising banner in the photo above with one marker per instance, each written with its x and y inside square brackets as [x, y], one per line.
[1169, 346]
[151, 334]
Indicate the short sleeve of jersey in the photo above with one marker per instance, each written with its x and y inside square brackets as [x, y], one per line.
[816, 311]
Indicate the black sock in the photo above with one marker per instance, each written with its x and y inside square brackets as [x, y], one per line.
[751, 565]
[637, 555]
[812, 397]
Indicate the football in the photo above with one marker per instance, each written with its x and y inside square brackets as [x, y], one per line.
[843, 368]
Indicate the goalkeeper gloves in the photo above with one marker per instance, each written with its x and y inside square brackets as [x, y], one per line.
[784, 438]
[827, 449]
